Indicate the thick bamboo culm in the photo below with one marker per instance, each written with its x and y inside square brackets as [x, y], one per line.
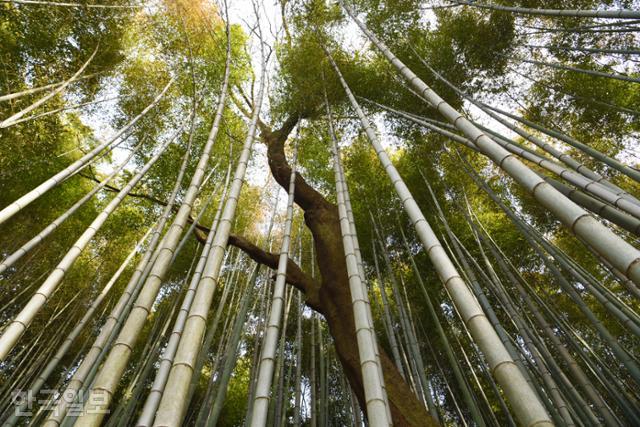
[19, 324]
[172, 407]
[375, 395]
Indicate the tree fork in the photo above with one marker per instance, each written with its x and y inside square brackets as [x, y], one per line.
[330, 294]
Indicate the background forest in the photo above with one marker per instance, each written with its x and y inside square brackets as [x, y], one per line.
[309, 212]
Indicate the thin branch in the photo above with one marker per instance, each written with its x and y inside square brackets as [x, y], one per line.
[295, 276]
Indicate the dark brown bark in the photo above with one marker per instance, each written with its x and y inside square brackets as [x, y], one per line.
[330, 296]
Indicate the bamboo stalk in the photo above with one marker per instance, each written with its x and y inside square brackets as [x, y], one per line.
[47, 185]
[173, 406]
[157, 388]
[19, 324]
[267, 361]
[574, 369]
[231, 353]
[586, 49]
[66, 4]
[24, 249]
[393, 342]
[620, 253]
[38, 89]
[578, 13]
[594, 177]
[525, 402]
[297, 408]
[375, 395]
[68, 341]
[106, 381]
[457, 373]
[12, 120]
[632, 173]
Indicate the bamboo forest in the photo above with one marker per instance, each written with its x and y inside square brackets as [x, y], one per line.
[319, 213]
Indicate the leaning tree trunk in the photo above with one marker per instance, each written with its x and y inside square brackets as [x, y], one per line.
[329, 294]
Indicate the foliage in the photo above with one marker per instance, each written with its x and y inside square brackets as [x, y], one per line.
[140, 50]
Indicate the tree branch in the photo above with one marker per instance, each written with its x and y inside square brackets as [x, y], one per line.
[295, 276]
[117, 190]
[305, 195]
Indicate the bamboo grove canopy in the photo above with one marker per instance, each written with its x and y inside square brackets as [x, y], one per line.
[319, 213]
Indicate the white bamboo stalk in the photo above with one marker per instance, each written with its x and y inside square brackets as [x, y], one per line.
[284, 379]
[598, 25]
[20, 252]
[196, 221]
[563, 157]
[616, 197]
[522, 397]
[586, 49]
[595, 73]
[33, 90]
[262, 316]
[411, 340]
[173, 405]
[391, 334]
[621, 254]
[29, 91]
[322, 355]
[86, 371]
[297, 415]
[613, 163]
[32, 195]
[11, 120]
[214, 407]
[356, 247]
[622, 200]
[313, 394]
[157, 388]
[108, 377]
[19, 324]
[604, 210]
[579, 13]
[261, 324]
[267, 359]
[375, 395]
[115, 318]
[42, 377]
